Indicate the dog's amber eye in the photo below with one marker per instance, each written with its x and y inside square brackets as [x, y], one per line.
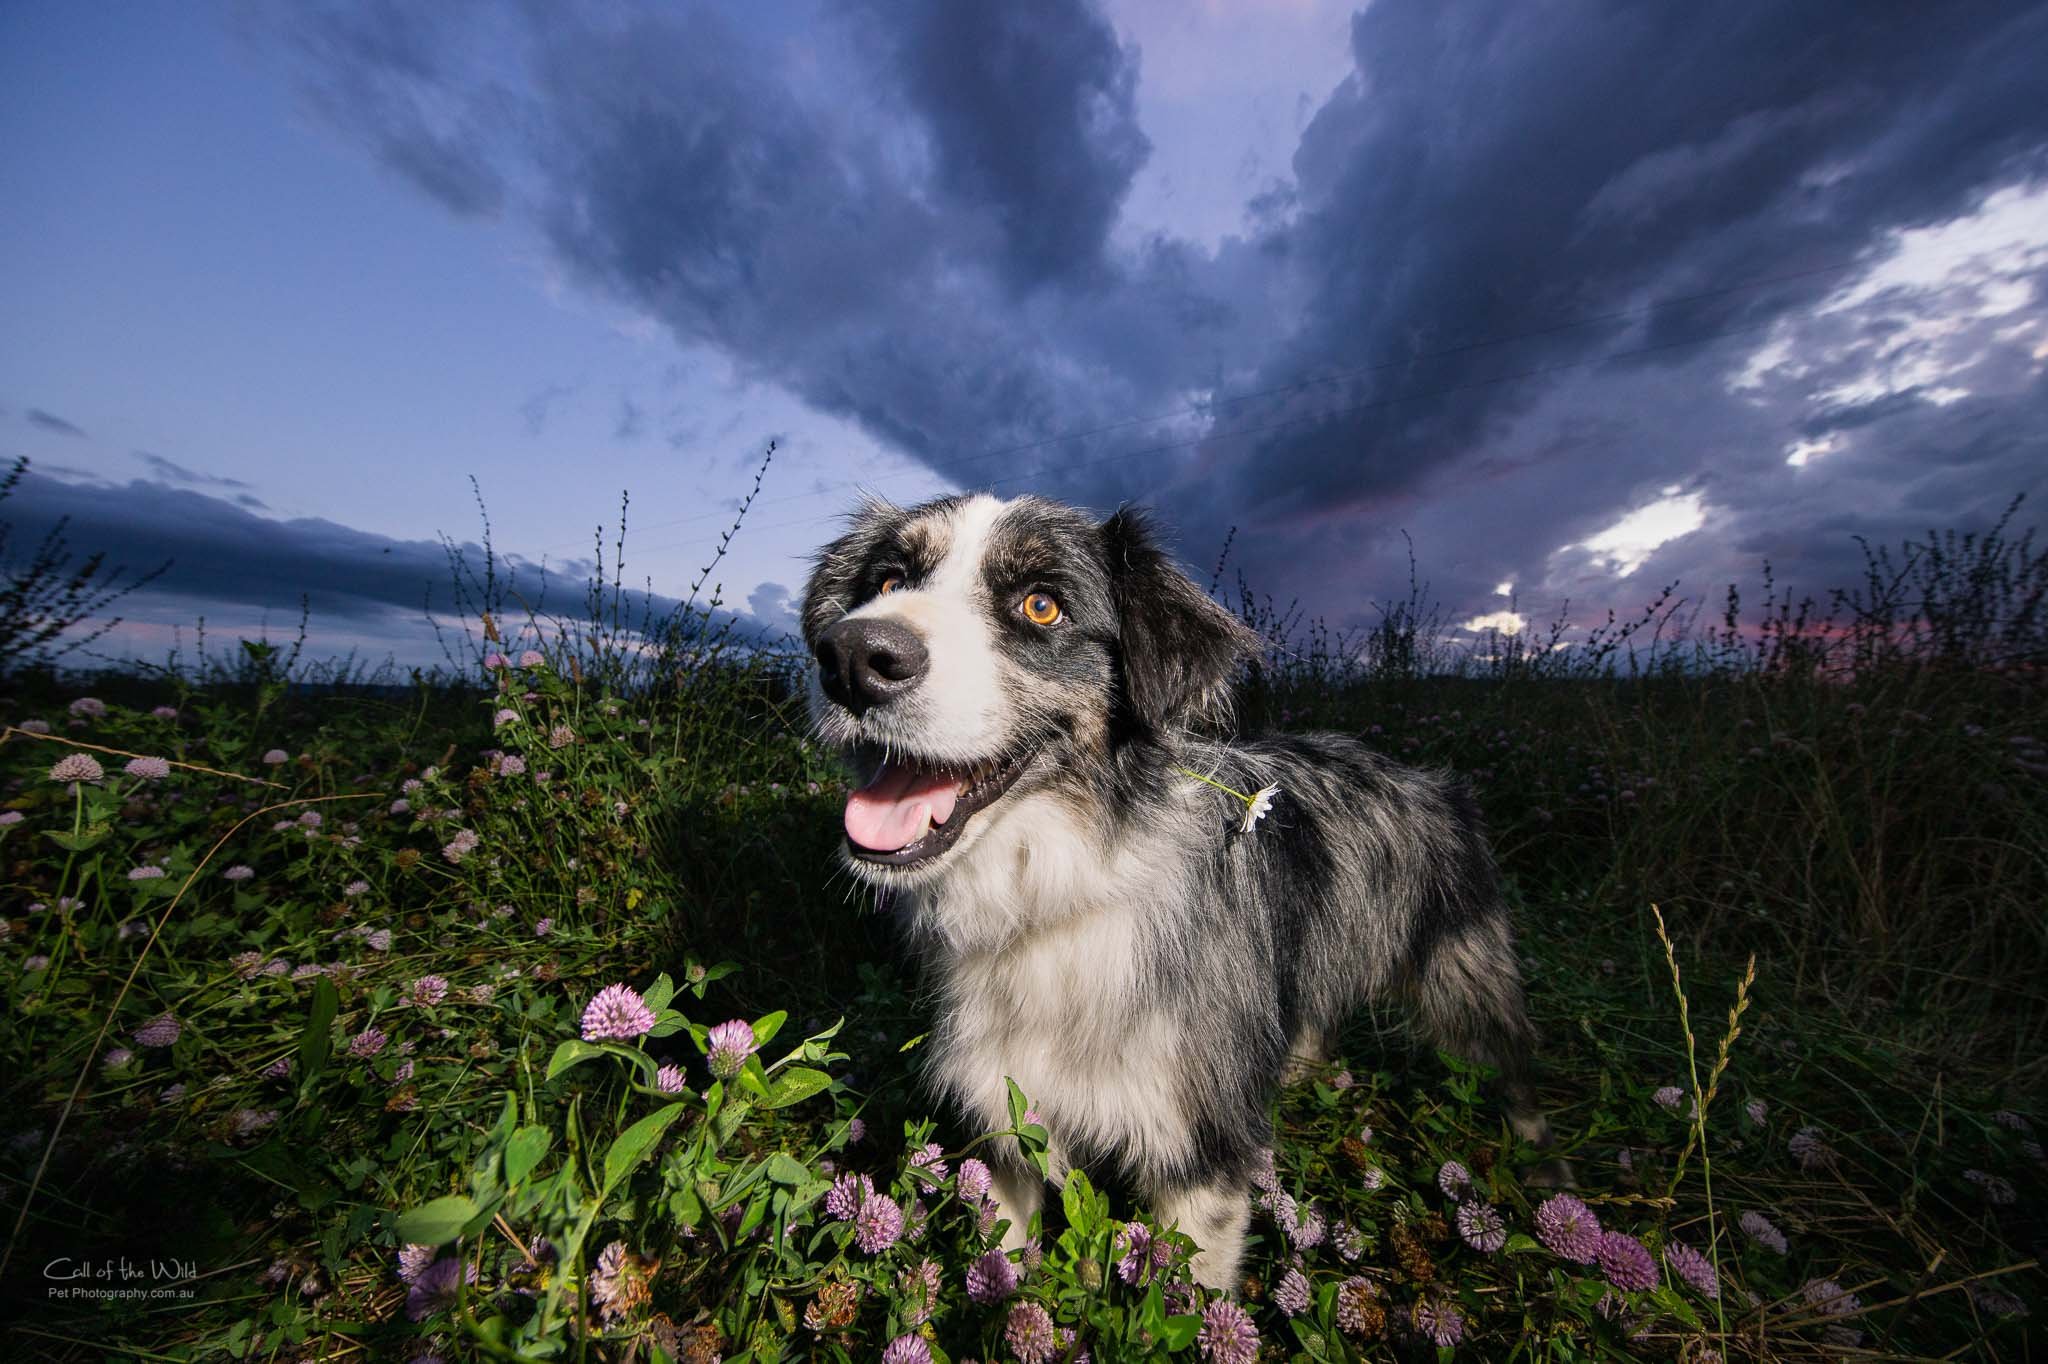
[889, 585]
[1040, 609]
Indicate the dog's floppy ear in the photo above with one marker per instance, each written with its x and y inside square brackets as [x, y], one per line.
[1178, 648]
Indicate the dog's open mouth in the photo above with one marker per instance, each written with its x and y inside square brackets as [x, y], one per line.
[914, 810]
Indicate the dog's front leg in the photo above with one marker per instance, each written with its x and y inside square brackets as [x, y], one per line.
[1215, 1217]
[1309, 1052]
[1019, 1190]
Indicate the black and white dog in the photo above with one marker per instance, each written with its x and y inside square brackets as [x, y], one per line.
[1024, 693]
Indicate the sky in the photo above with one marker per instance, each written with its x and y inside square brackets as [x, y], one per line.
[1577, 299]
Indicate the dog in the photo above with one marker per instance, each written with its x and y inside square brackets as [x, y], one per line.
[1029, 699]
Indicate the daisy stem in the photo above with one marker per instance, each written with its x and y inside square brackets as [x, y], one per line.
[1213, 782]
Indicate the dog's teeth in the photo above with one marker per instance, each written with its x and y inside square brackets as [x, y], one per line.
[978, 776]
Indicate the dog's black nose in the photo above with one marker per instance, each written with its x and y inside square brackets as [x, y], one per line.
[863, 662]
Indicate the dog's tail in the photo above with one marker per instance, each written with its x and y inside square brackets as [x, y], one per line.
[1467, 998]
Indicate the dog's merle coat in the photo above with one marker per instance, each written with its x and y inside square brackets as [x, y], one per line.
[1097, 927]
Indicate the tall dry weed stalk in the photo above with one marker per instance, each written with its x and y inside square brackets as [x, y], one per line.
[1703, 1099]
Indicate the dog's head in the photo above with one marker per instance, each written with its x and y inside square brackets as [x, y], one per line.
[971, 651]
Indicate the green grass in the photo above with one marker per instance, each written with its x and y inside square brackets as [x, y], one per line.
[1871, 830]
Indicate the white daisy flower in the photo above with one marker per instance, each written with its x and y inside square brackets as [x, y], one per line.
[1258, 807]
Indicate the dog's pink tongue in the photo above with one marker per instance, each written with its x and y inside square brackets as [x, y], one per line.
[888, 813]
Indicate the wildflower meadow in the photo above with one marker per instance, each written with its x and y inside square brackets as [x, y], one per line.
[517, 1011]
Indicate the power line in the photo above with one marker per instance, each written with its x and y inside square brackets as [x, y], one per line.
[1335, 376]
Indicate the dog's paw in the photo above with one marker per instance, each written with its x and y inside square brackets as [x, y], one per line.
[1309, 1054]
[1550, 1174]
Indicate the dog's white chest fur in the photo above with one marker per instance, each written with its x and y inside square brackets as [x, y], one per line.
[1059, 1008]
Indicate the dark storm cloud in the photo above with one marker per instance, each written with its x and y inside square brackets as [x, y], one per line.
[910, 225]
[1890, 467]
[50, 421]
[221, 554]
[1487, 175]
[680, 177]
[1489, 170]
[1030, 110]
[866, 233]
[1931, 471]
